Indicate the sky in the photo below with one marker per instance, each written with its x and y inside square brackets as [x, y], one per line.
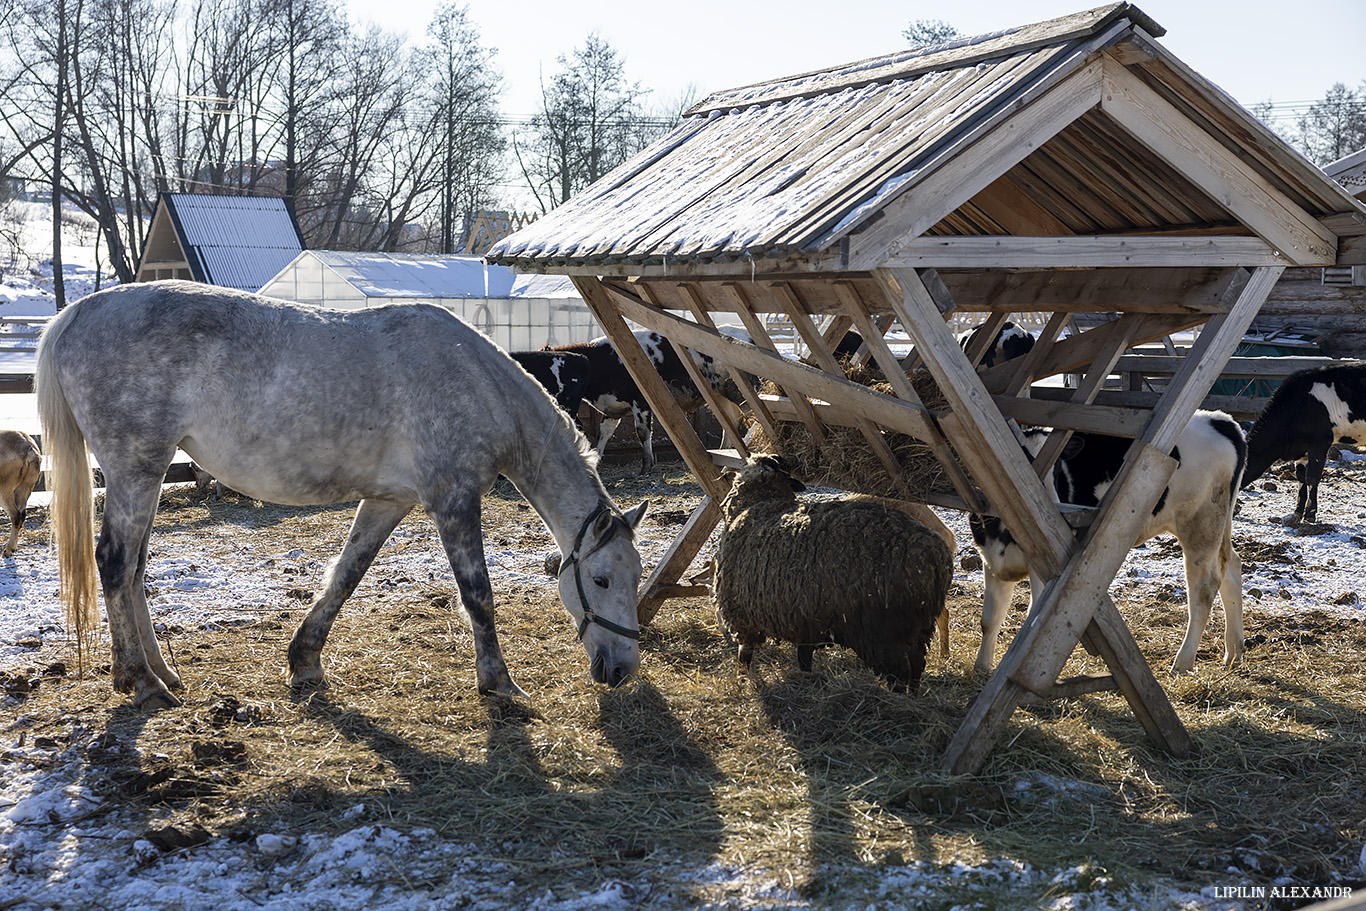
[1283, 51]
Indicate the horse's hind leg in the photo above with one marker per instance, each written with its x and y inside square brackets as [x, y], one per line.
[457, 522]
[138, 666]
[375, 521]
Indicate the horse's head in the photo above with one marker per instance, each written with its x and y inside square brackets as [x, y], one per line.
[598, 581]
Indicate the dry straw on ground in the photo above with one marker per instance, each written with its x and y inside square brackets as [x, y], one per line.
[816, 780]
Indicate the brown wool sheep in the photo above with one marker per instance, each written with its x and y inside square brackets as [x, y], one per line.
[856, 573]
[20, 468]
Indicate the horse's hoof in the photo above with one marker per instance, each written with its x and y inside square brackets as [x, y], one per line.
[157, 700]
[504, 688]
[306, 676]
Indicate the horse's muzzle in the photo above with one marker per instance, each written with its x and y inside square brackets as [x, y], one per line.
[612, 673]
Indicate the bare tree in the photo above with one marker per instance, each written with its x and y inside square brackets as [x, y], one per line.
[586, 125]
[463, 95]
[928, 32]
[1335, 126]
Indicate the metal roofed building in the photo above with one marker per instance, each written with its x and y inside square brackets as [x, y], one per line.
[230, 241]
[519, 312]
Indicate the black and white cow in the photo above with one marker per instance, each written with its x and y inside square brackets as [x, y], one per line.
[1196, 506]
[563, 374]
[612, 391]
[1308, 412]
[1012, 341]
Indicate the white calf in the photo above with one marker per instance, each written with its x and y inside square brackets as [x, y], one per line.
[1197, 507]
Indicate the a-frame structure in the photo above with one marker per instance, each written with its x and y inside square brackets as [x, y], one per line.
[1069, 166]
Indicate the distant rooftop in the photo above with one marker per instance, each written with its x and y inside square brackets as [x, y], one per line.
[395, 275]
[230, 241]
[1350, 171]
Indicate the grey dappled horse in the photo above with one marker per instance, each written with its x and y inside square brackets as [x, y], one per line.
[393, 406]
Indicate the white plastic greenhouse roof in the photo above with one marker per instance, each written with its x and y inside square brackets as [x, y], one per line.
[395, 275]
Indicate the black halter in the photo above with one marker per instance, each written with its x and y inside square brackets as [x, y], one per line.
[574, 559]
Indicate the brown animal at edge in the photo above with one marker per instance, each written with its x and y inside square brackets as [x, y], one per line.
[20, 468]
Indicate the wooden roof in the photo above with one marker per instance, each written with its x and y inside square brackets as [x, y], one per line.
[1079, 127]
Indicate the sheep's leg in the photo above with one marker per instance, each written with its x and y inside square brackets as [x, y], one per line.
[805, 651]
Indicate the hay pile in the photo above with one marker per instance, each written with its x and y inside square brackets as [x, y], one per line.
[846, 461]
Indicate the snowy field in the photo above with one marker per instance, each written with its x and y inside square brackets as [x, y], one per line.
[52, 814]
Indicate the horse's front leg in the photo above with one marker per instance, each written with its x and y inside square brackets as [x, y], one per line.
[375, 521]
[457, 522]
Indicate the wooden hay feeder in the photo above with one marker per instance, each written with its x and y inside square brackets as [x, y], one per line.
[1069, 166]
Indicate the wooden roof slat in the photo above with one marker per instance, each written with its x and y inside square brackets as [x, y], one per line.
[825, 146]
[1038, 74]
[975, 165]
[908, 64]
[1239, 188]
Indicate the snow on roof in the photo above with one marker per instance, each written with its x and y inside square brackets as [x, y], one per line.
[795, 164]
[235, 241]
[791, 169]
[394, 275]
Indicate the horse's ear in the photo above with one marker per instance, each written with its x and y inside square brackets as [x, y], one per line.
[634, 516]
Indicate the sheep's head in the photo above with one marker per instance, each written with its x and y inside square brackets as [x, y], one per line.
[766, 477]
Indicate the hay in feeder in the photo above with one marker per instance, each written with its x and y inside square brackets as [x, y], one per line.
[846, 460]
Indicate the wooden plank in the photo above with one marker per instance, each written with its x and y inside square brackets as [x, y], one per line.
[825, 359]
[977, 430]
[1043, 344]
[1017, 211]
[858, 400]
[1089, 290]
[679, 556]
[901, 384]
[1206, 359]
[1255, 367]
[1072, 353]
[1134, 678]
[1050, 633]
[975, 164]
[759, 333]
[722, 408]
[1235, 185]
[1241, 408]
[1001, 252]
[1066, 413]
[675, 422]
[1118, 340]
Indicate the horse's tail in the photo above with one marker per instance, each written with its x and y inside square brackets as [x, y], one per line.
[72, 508]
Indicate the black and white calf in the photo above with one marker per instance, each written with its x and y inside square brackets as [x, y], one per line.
[1307, 413]
[612, 391]
[1197, 507]
[563, 374]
